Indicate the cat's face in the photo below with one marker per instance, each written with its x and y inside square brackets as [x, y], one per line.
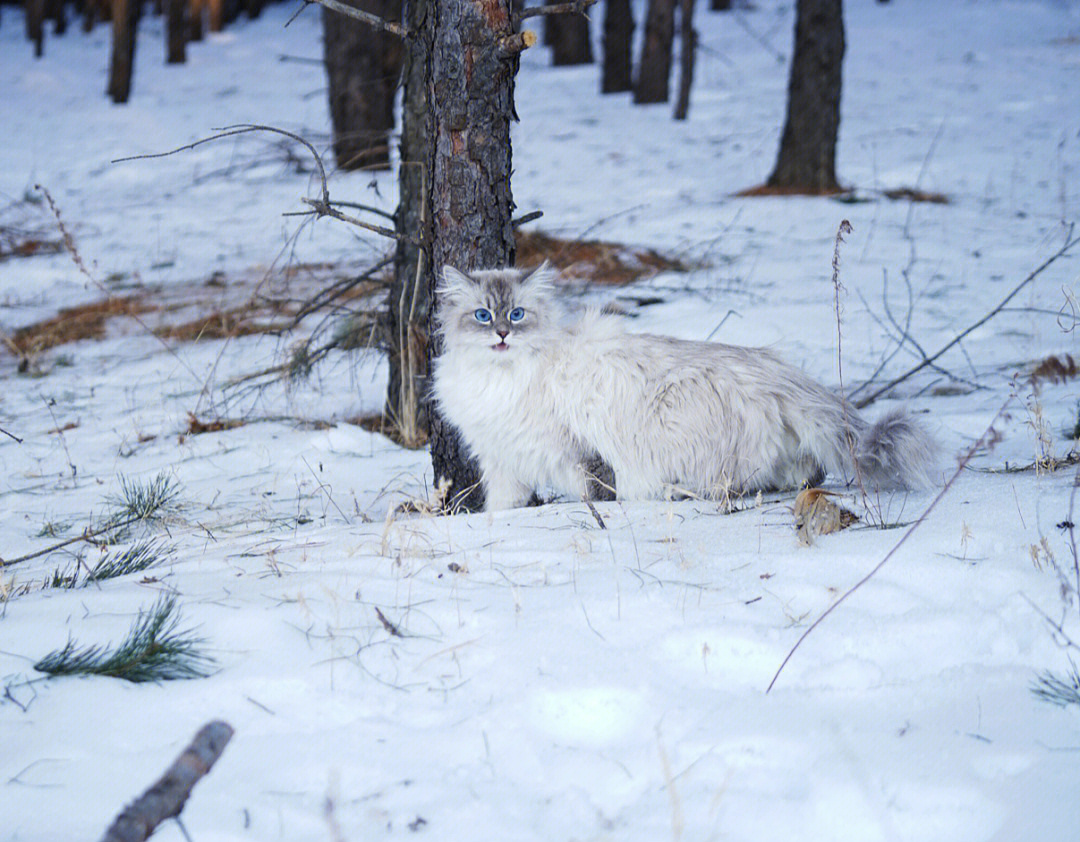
[502, 311]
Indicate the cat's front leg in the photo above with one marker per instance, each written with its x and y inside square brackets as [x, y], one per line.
[502, 490]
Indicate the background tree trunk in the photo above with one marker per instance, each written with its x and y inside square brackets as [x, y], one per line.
[687, 54]
[35, 25]
[807, 157]
[363, 66]
[125, 24]
[176, 31]
[195, 19]
[721, 5]
[471, 203]
[570, 39]
[57, 13]
[409, 303]
[616, 74]
[655, 67]
[215, 17]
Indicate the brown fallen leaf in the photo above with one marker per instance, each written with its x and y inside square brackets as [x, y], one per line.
[815, 514]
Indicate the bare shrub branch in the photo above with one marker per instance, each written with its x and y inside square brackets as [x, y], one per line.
[1070, 242]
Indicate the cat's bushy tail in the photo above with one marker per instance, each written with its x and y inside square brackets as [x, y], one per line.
[895, 451]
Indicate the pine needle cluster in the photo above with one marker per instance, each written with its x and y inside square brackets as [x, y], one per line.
[154, 650]
[1060, 690]
[141, 502]
[140, 556]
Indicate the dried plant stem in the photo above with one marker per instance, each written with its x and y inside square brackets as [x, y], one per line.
[989, 437]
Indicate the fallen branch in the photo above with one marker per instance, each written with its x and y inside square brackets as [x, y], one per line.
[166, 798]
[1070, 241]
[989, 437]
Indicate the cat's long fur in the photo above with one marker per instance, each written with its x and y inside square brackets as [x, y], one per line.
[533, 399]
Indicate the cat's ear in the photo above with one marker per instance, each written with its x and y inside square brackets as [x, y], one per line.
[453, 283]
[542, 278]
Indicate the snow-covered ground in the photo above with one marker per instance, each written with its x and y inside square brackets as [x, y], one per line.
[552, 679]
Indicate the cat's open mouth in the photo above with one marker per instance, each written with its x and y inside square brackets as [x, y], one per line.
[500, 346]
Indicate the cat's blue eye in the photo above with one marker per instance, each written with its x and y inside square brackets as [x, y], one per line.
[517, 314]
[482, 316]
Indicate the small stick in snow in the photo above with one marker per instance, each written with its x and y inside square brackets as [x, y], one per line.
[10, 435]
[386, 624]
[166, 798]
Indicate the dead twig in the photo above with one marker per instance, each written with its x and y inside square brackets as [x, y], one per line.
[11, 435]
[1070, 242]
[577, 7]
[166, 798]
[87, 535]
[362, 16]
[386, 624]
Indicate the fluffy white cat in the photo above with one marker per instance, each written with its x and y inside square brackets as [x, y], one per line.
[534, 398]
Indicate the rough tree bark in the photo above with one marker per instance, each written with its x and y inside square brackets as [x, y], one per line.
[687, 53]
[176, 31]
[470, 200]
[806, 162]
[408, 300]
[655, 67]
[616, 74]
[363, 66]
[569, 38]
[125, 24]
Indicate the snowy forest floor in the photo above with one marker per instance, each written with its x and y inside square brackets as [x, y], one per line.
[548, 673]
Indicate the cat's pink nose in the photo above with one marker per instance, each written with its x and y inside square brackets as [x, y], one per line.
[502, 333]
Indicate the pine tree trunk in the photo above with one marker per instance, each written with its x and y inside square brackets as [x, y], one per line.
[688, 52]
[195, 19]
[125, 24]
[176, 31]
[363, 66]
[35, 25]
[408, 302]
[570, 39]
[655, 68]
[616, 74]
[807, 159]
[57, 13]
[215, 18]
[471, 203]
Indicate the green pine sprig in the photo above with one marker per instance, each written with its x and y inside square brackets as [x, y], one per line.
[154, 650]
